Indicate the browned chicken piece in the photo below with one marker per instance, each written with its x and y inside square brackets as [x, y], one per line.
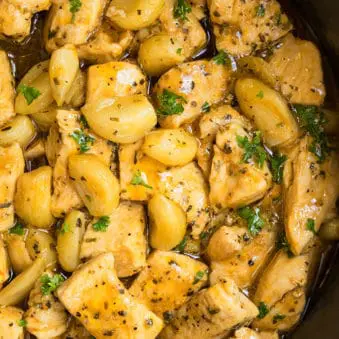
[225, 242]
[9, 323]
[282, 275]
[188, 33]
[310, 192]
[244, 266]
[107, 44]
[12, 165]
[113, 79]
[60, 145]
[297, 64]
[247, 333]
[194, 83]
[235, 183]
[187, 187]
[16, 15]
[168, 281]
[124, 237]
[95, 296]
[7, 92]
[4, 263]
[285, 313]
[212, 313]
[46, 317]
[242, 27]
[69, 24]
[76, 330]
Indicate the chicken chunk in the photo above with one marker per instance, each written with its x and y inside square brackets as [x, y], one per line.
[285, 313]
[64, 145]
[282, 275]
[9, 323]
[297, 64]
[4, 264]
[16, 15]
[45, 317]
[76, 330]
[225, 242]
[7, 93]
[107, 44]
[168, 281]
[114, 79]
[194, 83]
[70, 24]
[247, 333]
[211, 313]
[241, 27]
[12, 165]
[187, 187]
[310, 191]
[234, 182]
[124, 237]
[244, 266]
[95, 296]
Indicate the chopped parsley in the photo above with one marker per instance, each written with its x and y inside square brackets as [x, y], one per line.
[260, 95]
[83, 122]
[277, 167]
[65, 228]
[102, 224]
[181, 246]
[222, 58]
[198, 276]
[263, 310]
[310, 225]
[181, 10]
[260, 11]
[22, 323]
[283, 244]
[17, 229]
[252, 149]
[278, 317]
[30, 93]
[179, 50]
[170, 103]
[312, 120]
[253, 218]
[206, 107]
[50, 283]
[139, 180]
[74, 7]
[84, 140]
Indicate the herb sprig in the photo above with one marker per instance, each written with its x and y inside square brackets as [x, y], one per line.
[181, 10]
[263, 310]
[30, 93]
[255, 222]
[277, 166]
[74, 7]
[102, 224]
[17, 229]
[139, 180]
[83, 139]
[170, 103]
[50, 283]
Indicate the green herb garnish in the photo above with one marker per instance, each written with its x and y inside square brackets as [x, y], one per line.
[74, 7]
[260, 10]
[278, 317]
[22, 323]
[30, 93]
[181, 10]
[277, 166]
[252, 149]
[50, 283]
[312, 120]
[102, 224]
[205, 108]
[260, 95]
[83, 122]
[84, 140]
[65, 228]
[170, 103]
[283, 244]
[198, 276]
[179, 50]
[253, 218]
[263, 310]
[139, 180]
[222, 58]
[17, 229]
[181, 246]
[310, 225]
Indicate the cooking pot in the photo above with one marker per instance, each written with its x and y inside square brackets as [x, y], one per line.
[321, 318]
